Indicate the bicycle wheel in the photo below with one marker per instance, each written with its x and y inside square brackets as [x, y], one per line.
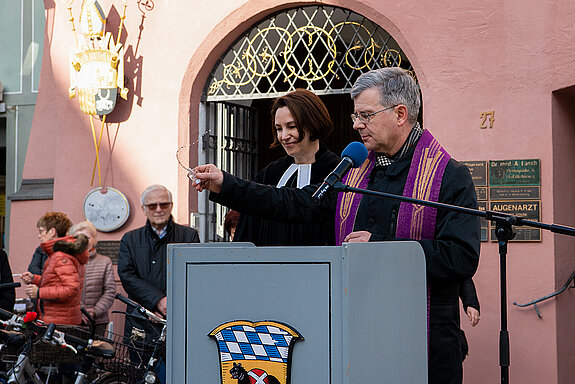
[112, 378]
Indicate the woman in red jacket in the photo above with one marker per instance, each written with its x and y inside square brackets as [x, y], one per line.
[58, 290]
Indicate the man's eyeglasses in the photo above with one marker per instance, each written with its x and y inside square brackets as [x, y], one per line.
[154, 206]
[366, 117]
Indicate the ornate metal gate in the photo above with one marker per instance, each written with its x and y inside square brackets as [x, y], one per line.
[320, 48]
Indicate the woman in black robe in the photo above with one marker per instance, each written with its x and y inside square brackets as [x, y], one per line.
[301, 121]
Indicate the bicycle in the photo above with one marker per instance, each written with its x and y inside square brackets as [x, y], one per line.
[149, 358]
[22, 333]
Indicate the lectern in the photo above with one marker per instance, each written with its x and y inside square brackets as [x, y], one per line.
[338, 315]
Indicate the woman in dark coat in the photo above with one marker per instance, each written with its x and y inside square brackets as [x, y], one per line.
[301, 121]
[7, 295]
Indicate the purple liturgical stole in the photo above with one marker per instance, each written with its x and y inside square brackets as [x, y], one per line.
[423, 182]
[348, 203]
[417, 222]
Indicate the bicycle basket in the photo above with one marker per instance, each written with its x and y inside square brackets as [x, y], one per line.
[130, 359]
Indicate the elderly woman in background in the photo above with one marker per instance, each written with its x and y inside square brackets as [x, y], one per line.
[99, 288]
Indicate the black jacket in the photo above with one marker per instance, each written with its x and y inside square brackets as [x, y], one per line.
[36, 265]
[7, 295]
[263, 232]
[142, 261]
[142, 268]
[468, 295]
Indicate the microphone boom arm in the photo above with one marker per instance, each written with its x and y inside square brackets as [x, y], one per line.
[498, 217]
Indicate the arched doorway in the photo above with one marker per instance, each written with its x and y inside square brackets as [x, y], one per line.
[321, 48]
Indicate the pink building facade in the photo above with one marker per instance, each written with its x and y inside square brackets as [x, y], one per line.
[512, 58]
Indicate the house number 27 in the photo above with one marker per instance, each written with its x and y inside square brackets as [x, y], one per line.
[487, 119]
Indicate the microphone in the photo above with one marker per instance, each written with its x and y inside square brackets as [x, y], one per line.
[352, 157]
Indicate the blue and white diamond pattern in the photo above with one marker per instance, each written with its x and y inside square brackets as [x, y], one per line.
[264, 342]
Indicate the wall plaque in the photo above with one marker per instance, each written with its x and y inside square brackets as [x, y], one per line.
[110, 248]
[514, 172]
[509, 186]
[528, 209]
[515, 193]
[482, 205]
[481, 193]
[478, 170]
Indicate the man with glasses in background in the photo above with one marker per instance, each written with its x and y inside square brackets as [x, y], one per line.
[142, 258]
[404, 160]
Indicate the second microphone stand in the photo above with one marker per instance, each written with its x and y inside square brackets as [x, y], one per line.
[504, 223]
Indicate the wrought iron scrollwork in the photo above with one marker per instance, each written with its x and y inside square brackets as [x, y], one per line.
[320, 48]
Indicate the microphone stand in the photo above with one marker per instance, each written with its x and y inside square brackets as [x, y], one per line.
[504, 233]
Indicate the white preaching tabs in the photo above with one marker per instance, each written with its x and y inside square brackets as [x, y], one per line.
[303, 175]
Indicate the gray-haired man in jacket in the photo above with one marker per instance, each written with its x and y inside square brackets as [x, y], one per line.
[142, 257]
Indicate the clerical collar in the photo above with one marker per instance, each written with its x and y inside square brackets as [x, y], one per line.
[382, 160]
[303, 175]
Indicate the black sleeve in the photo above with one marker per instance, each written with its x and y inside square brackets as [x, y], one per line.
[8, 295]
[468, 295]
[454, 253]
[290, 205]
[245, 228]
[195, 237]
[37, 263]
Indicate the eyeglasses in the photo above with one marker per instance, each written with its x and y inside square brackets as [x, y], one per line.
[154, 206]
[366, 117]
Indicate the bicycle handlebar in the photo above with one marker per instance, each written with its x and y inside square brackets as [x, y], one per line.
[51, 334]
[142, 310]
[5, 314]
[10, 285]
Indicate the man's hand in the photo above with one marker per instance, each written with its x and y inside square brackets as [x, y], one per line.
[32, 291]
[208, 177]
[357, 237]
[27, 277]
[162, 306]
[473, 315]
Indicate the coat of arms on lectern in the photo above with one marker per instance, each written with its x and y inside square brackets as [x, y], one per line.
[255, 353]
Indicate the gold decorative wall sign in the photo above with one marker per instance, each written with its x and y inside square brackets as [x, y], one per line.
[96, 63]
[96, 75]
[96, 67]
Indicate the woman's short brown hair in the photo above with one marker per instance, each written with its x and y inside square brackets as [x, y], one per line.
[57, 220]
[231, 221]
[309, 112]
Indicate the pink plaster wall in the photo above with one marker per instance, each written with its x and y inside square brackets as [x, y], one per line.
[470, 57]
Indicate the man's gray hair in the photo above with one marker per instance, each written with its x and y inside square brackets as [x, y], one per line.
[396, 86]
[155, 187]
